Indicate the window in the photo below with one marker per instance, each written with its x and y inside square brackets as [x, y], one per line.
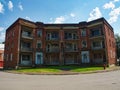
[39, 33]
[39, 44]
[96, 31]
[68, 35]
[48, 36]
[48, 47]
[97, 44]
[75, 46]
[110, 42]
[83, 32]
[55, 35]
[74, 36]
[26, 57]
[26, 45]
[27, 34]
[84, 43]
[69, 45]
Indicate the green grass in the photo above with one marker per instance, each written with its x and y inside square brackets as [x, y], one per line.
[87, 69]
[38, 70]
[57, 69]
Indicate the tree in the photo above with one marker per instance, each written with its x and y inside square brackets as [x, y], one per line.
[3, 42]
[117, 38]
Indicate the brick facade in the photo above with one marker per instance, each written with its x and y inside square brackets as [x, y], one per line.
[35, 43]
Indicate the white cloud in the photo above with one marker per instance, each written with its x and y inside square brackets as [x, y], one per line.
[10, 5]
[1, 29]
[2, 36]
[94, 14]
[115, 0]
[109, 5]
[20, 6]
[28, 18]
[114, 14]
[1, 8]
[60, 19]
[72, 15]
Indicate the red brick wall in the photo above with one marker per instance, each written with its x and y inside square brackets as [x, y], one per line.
[11, 46]
[110, 45]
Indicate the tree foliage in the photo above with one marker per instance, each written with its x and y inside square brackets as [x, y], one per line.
[117, 38]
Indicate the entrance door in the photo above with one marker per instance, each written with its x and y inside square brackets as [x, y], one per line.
[85, 56]
[39, 58]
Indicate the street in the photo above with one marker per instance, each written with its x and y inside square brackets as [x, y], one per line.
[94, 81]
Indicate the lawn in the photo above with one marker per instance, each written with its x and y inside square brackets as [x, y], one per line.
[58, 69]
[38, 70]
[87, 69]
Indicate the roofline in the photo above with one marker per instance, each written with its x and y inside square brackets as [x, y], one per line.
[52, 24]
[17, 21]
[102, 19]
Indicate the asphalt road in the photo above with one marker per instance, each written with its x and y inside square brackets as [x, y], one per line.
[95, 81]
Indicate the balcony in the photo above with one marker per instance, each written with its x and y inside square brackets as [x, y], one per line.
[52, 50]
[27, 35]
[26, 49]
[97, 45]
[97, 48]
[52, 36]
[70, 50]
[70, 36]
[96, 33]
[54, 39]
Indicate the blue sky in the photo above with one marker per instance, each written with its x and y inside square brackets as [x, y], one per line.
[58, 11]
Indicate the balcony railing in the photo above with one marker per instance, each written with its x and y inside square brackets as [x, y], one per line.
[70, 50]
[27, 36]
[96, 35]
[98, 48]
[26, 49]
[52, 50]
[71, 38]
[52, 38]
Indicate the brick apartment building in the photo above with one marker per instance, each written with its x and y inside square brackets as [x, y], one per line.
[30, 43]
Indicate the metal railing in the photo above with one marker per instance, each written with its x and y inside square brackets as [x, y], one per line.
[52, 50]
[26, 49]
[27, 36]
